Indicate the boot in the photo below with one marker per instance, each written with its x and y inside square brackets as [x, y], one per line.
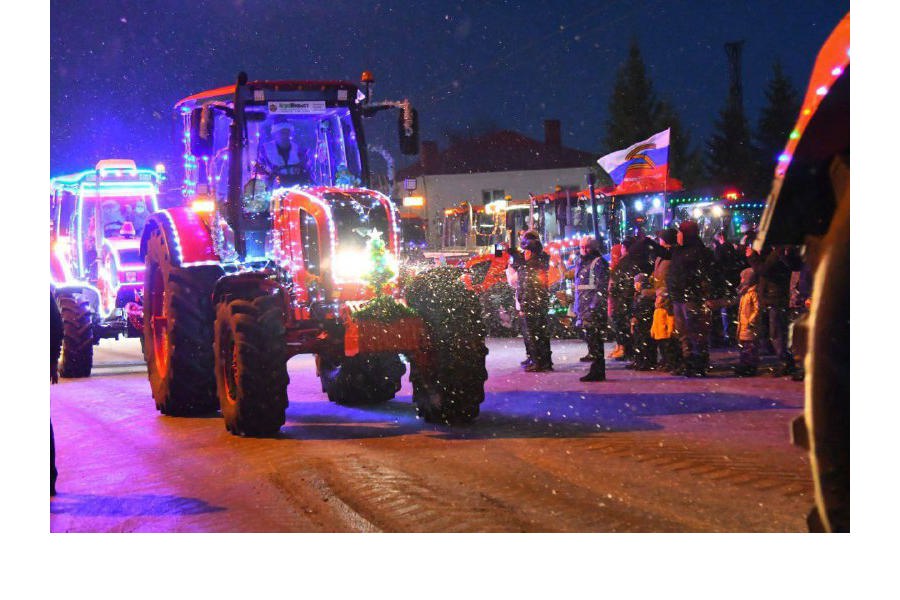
[537, 368]
[587, 358]
[526, 362]
[597, 372]
[744, 371]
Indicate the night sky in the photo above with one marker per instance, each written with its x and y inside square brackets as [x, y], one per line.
[117, 68]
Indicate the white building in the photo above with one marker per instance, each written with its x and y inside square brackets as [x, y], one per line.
[487, 168]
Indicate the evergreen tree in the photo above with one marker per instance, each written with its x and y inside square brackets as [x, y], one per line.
[730, 157]
[632, 105]
[776, 120]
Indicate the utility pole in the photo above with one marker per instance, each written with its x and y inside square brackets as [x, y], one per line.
[733, 51]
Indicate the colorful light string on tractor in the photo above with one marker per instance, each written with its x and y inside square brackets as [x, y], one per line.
[836, 50]
[191, 166]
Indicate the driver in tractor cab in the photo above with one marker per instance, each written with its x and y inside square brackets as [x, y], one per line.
[284, 159]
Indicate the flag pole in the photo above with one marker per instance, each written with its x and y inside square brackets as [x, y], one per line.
[591, 180]
[666, 187]
[665, 201]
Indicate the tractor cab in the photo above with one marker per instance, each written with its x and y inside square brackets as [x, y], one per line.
[97, 217]
[245, 144]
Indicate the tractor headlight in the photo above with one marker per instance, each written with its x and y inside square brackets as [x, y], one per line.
[350, 266]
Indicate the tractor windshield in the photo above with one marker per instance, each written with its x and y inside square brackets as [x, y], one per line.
[355, 217]
[318, 149]
[115, 212]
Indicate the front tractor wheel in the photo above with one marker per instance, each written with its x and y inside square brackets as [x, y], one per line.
[251, 365]
[448, 376]
[178, 332]
[78, 337]
[827, 410]
[361, 380]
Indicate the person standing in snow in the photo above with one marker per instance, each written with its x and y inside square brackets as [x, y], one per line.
[532, 295]
[591, 283]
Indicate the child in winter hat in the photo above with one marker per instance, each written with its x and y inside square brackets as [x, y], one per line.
[748, 325]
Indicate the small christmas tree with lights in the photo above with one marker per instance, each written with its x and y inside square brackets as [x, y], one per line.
[381, 272]
[383, 307]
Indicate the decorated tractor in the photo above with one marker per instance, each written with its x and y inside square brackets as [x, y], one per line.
[810, 205]
[283, 250]
[97, 218]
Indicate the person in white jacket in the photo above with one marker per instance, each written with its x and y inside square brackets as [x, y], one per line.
[284, 158]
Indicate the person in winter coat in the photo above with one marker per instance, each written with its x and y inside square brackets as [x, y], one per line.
[663, 314]
[283, 157]
[728, 267]
[636, 260]
[591, 281]
[56, 339]
[512, 278]
[641, 322]
[688, 283]
[748, 325]
[621, 278]
[616, 252]
[532, 265]
[801, 292]
[774, 276]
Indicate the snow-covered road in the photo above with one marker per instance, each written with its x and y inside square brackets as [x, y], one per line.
[640, 452]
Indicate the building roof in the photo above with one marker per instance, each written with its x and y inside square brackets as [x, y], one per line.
[497, 151]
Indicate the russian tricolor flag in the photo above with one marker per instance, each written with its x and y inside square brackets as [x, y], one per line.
[640, 163]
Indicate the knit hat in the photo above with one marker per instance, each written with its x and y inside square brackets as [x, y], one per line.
[669, 236]
[532, 244]
[748, 277]
[689, 229]
[530, 234]
[592, 244]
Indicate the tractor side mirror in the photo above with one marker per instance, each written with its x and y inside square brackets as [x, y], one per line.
[409, 138]
[201, 132]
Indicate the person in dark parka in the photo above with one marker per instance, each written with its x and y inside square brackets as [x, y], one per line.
[729, 264]
[642, 322]
[532, 265]
[56, 338]
[774, 274]
[591, 282]
[688, 283]
[636, 260]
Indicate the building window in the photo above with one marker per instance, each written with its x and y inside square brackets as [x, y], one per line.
[488, 196]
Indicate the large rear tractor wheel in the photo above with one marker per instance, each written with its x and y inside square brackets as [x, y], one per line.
[448, 377]
[78, 337]
[251, 364]
[178, 332]
[827, 412]
[361, 380]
